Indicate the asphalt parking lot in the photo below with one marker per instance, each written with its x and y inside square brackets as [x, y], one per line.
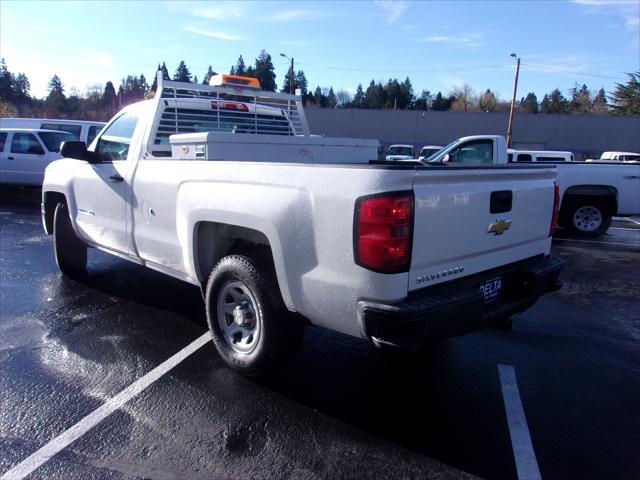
[67, 348]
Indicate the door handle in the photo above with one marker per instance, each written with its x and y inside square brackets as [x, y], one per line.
[116, 178]
[10, 158]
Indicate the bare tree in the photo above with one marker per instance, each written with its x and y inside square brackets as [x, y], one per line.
[464, 99]
[343, 97]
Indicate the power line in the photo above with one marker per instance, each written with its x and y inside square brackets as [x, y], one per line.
[455, 69]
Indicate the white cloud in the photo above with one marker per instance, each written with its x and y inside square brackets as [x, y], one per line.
[225, 11]
[628, 10]
[290, 15]
[394, 8]
[212, 33]
[469, 40]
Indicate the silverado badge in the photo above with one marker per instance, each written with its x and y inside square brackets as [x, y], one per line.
[499, 227]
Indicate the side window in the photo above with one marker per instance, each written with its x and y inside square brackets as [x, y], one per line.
[524, 157]
[26, 143]
[550, 159]
[65, 127]
[3, 138]
[475, 151]
[113, 144]
[92, 132]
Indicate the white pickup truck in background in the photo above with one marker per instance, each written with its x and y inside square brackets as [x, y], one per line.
[388, 253]
[591, 192]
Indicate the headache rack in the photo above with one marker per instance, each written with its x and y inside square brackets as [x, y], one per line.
[193, 108]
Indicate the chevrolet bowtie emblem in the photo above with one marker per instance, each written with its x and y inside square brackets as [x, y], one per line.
[499, 228]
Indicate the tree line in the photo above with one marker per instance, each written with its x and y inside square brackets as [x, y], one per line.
[100, 103]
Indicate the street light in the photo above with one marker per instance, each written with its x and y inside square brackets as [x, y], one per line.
[513, 103]
[290, 73]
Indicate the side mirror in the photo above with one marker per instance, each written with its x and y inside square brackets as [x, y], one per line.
[77, 150]
[445, 158]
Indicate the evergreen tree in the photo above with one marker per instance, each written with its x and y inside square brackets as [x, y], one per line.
[109, 98]
[265, 72]
[22, 88]
[182, 73]
[332, 101]
[625, 100]
[319, 99]
[56, 102]
[165, 72]
[301, 83]
[374, 96]
[425, 101]
[407, 98]
[529, 104]
[441, 103]
[554, 102]
[600, 105]
[239, 68]
[195, 79]
[580, 100]
[207, 76]
[7, 81]
[358, 98]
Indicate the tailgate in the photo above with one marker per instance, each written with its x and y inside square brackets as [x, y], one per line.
[455, 232]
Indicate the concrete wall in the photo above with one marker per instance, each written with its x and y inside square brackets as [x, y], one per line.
[584, 135]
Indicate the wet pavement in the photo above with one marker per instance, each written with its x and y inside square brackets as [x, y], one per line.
[341, 410]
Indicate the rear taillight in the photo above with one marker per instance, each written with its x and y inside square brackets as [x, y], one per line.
[383, 232]
[556, 207]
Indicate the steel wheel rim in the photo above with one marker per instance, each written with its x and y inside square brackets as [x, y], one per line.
[241, 338]
[587, 218]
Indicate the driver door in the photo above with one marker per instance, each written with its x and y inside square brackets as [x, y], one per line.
[102, 189]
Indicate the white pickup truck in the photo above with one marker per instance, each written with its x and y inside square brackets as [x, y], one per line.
[389, 253]
[591, 192]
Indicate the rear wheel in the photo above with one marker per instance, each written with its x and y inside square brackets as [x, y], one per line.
[589, 218]
[251, 328]
[70, 251]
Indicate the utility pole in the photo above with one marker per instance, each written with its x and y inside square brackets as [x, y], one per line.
[291, 87]
[513, 103]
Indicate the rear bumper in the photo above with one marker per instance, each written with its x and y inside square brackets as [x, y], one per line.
[458, 307]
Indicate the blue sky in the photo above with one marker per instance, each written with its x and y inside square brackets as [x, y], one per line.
[439, 45]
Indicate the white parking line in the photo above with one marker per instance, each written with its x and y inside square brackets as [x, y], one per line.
[69, 436]
[525, 457]
[631, 220]
[625, 228]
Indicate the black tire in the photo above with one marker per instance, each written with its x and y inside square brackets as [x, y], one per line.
[70, 251]
[267, 336]
[588, 218]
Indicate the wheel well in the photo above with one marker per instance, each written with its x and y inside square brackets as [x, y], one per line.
[212, 241]
[602, 194]
[51, 199]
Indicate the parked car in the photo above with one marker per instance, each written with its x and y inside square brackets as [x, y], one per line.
[428, 150]
[25, 153]
[539, 156]
[389, 253]
[399, 152]
[83, 130]
[620, 156]
[591, 193]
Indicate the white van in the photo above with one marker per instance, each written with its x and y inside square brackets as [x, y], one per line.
[539, 156]
[81, 129]
[26, 152]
